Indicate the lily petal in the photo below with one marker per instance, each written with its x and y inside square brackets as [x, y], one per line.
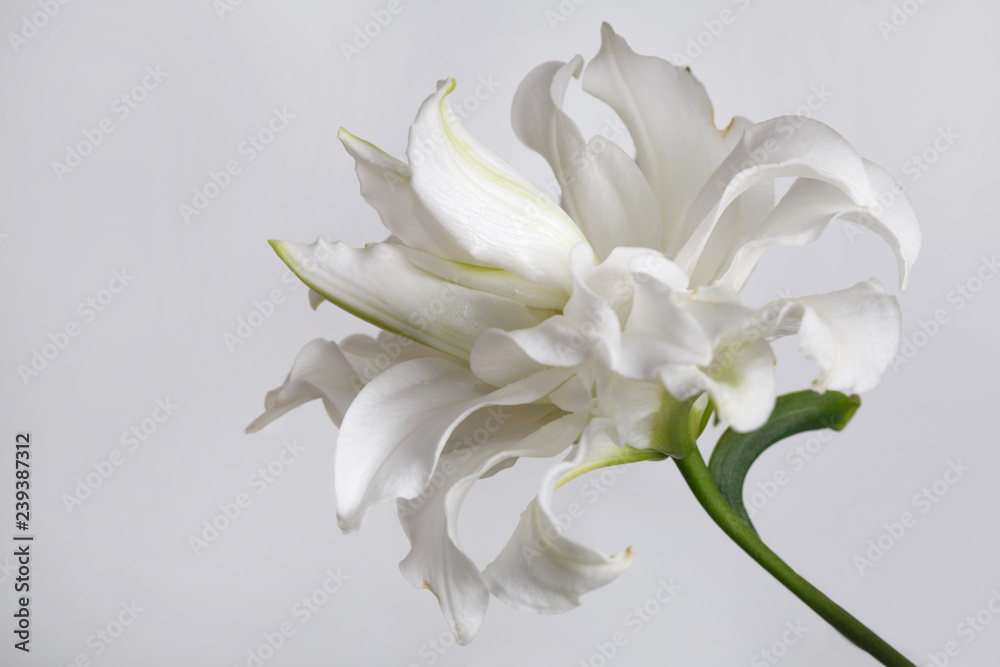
[541, 570]
[320, 370]
[383, 454]
[495, 281]
[670, 118]
[602, 188]
[380, 286]
[385, 185]
[851, 334]
[371, 356]
[810, 205]
[631, 406]
[659, 331]
[780, 147]
[893, 218]
[589, 327]
[436, 561]
[740, 381]
[482, 203]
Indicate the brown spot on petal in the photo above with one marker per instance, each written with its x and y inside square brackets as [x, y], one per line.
[725, 131]
[430, 588]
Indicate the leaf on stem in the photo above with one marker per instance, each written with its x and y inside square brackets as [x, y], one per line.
[794, 413]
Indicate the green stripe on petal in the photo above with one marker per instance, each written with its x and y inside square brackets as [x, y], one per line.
[495, 281]
[379, 285]
[484, 204]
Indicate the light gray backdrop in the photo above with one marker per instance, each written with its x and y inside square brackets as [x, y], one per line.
[162, 94]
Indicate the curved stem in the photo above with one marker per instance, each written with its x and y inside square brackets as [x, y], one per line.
[696, 475]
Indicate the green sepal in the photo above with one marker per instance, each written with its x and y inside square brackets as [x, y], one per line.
[793, 413]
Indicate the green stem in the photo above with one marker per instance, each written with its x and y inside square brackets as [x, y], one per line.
[696, 475]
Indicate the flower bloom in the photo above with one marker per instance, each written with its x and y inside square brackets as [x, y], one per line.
[518, 327]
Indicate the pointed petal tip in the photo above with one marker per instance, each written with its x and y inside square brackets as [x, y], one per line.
[347, 524]
[350, 140]
[316, 299]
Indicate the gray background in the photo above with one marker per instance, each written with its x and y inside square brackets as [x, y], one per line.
[163, 336]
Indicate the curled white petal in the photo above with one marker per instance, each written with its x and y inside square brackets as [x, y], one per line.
[780, 147]
[851, 334]
[320, 370]
[390, 452]
[809, 206]
[336, 373]
[540, 569]
[436, 561]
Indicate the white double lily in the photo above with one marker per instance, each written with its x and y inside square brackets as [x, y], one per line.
[517, 327]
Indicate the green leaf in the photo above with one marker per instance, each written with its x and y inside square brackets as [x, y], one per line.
[794, 413]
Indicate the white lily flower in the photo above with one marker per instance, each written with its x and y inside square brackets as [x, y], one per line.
[518, 327]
